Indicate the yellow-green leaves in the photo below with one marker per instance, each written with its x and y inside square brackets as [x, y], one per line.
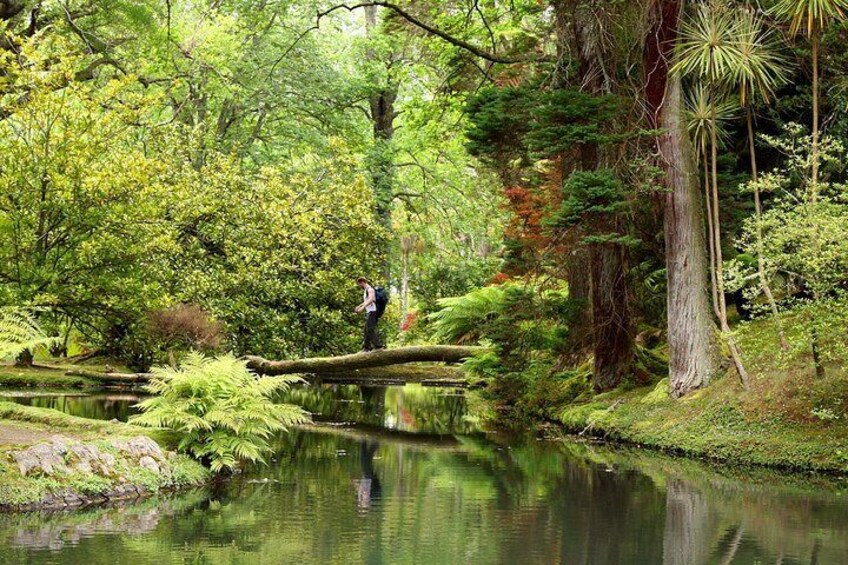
[223, 412]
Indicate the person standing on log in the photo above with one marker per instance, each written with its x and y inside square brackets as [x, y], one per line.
[370, 341]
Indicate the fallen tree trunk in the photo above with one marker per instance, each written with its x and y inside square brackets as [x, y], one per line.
[366, 360]
[121, 378]
[427, 375]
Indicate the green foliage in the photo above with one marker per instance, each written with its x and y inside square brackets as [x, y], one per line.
[19, 332]
[809, 16]
[803, 242]
[499, 120]
[563, 118]
[223, 412]
[595, 199]
[465, 318]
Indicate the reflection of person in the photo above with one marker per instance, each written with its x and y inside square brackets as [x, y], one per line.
[368, 487]
[370, 340]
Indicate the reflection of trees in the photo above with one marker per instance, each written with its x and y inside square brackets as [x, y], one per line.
[408, 408]
[468, 501]
[97, 406]
[689, 525]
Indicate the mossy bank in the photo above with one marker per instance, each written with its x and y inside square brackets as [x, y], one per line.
[49, 459]
[720, 422]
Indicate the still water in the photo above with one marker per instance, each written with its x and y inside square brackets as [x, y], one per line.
[404, 475]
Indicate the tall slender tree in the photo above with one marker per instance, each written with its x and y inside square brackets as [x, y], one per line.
[691, 332]
[812, 17]
[759, 71]
[708, 51]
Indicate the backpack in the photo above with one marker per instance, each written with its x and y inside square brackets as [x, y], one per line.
[381, 299]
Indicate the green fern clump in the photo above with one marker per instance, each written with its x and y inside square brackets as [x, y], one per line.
[19, 332]
[223, 413]
[464, 318]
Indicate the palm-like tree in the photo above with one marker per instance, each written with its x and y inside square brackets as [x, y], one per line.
[708, 50]
[761, 70]
[811, 17]
[699, 118]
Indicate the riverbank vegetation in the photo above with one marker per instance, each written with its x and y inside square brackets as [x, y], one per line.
[52, 460]
[637, 208]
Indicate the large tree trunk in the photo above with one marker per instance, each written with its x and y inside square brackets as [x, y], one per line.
[691, 332]
[382, 106]
[597, 276]
[611, 314]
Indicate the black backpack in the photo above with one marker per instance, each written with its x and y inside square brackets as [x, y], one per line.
[381, 299]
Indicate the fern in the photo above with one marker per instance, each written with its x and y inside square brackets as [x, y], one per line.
[224, 414]
[19, 332]
[460, 318]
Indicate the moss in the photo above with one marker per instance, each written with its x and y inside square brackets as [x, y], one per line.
[718, 423]
[43, 379]
[16, 489]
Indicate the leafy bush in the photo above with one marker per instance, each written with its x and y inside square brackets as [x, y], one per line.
[184, 327]
[223, 413]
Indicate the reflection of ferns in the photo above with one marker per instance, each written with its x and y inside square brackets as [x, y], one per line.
[19, 332]
[224, 414]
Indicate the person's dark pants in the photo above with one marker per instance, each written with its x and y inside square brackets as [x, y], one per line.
[371, 340]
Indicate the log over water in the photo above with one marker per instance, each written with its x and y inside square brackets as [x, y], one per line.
[365, 360]
[389, 366]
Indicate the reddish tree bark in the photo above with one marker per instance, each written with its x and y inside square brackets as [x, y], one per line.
[691, 332]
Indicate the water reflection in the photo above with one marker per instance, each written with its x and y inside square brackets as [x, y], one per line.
[364, 494]
[97, 405]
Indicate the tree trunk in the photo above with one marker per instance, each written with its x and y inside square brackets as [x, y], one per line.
[735, 353]
[758, 210]
[691, 333]
[815, 149]
[613, 335]
[379, 358]
[404, 285]
[382, 106]
[710, 233]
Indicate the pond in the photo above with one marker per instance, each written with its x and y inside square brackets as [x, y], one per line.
[404, 475]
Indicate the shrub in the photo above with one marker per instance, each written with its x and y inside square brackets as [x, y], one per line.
[223, 413]
[185, 327]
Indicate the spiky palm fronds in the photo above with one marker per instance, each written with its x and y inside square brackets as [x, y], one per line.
[224, 413]
[809, 16]
[763, 66]
[19, 332]
[708, 46]
[699, 115]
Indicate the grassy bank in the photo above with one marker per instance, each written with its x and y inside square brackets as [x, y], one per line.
[92, 460]
[719, 423]
[42, 377]
[790, 418]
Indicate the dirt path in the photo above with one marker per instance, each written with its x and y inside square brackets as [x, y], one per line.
[13, 434]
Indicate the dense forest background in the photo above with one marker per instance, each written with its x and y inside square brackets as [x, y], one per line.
[602, 192]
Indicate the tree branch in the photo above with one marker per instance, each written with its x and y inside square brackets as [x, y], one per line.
[473, 49]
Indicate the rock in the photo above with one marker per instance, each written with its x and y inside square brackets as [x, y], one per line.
[44, 458]
[149, 463]
[138, 447]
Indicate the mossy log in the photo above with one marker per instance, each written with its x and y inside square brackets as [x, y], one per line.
[116, 378]
[428, 375]
[365, 360]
